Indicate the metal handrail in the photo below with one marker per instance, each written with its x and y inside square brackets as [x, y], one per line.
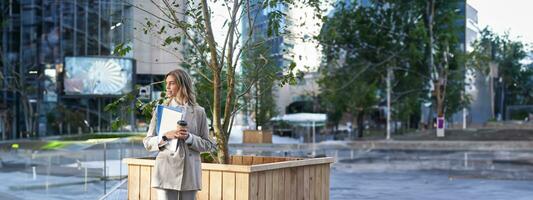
[115, 188]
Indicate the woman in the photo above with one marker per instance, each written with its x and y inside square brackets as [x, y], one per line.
[177, 172]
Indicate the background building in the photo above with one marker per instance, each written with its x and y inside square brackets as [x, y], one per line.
[37, 35]
[477, 85]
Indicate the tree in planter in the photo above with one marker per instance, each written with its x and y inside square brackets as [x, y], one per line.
[219, 58]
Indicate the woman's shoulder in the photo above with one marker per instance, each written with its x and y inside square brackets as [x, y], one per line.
[198, 108]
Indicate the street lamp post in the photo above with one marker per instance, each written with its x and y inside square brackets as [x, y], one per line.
[389, 74]
[314, 149]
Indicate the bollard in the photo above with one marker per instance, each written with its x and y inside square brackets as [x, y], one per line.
[105, 167]
[466, 159]
[120, 160]
[34, 173]
[48, 172]
[85, 186]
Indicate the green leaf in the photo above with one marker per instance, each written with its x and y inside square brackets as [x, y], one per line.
[121, 49]
[161, 30]
[172, 39]
[115, 125]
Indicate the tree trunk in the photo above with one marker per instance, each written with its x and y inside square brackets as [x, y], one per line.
[440, 85]
[220, 132]
[28, 115]
[439, 99]
[360, 125]
[256, 107]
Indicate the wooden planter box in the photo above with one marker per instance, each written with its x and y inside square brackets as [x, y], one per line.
[254, 136]
[247, 177]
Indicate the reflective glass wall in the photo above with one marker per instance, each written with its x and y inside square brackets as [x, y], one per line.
[35, 37]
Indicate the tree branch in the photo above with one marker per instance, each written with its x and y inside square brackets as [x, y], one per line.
[210, 38]
[231, 70]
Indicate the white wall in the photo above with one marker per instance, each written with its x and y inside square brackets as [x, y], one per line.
[151, 56]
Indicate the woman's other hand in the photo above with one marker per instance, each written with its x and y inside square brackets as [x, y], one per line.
[174, 134]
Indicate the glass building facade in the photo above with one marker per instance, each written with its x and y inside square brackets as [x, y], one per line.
[275, 44]
[35, 37]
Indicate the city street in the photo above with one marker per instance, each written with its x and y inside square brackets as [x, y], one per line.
[357, 174]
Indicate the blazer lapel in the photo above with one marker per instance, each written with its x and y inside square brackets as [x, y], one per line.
[189, 114]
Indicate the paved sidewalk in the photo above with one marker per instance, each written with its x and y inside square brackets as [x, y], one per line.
[396, 144]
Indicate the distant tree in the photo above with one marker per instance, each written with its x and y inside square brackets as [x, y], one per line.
[516, 77]
[362, 42]
[258, 62]
[444, 57]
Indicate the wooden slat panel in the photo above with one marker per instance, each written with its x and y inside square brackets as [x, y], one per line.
[268, 185]
[231, 158]
[215, 181]
[133, 182]
[306, 182]
[294, 178]
[145, 178]
[247, 160]
[305, 162]
[228, 184]
[325, 181]
[311, 181]
[257, 160]
[237, 160]
[254, 184]
[227, 168]
[275, 180]
[318, 182]
[268, 159]
[261, 186]
[242, 186]
[287, 184]
[203, 194]
[299, 182]
[281, 183]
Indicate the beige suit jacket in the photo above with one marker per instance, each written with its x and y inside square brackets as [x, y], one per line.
[180, 170]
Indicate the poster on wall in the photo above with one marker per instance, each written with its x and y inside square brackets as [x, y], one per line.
[98, 75]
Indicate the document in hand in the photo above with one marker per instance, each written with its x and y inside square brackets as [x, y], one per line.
[167, 118]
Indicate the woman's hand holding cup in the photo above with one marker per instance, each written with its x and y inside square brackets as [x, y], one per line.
[182, 132]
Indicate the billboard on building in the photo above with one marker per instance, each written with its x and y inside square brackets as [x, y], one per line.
[98, 75]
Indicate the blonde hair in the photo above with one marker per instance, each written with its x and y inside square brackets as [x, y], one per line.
[186, 89]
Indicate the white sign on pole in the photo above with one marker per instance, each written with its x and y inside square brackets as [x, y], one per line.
[440, 126]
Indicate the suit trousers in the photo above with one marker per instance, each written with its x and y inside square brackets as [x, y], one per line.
[163, 194]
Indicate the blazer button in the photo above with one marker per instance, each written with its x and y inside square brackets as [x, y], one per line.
[171, 154]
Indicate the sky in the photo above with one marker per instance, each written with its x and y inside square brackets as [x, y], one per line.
[514, 16]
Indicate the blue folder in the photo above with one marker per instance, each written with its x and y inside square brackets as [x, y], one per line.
[160, 116]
